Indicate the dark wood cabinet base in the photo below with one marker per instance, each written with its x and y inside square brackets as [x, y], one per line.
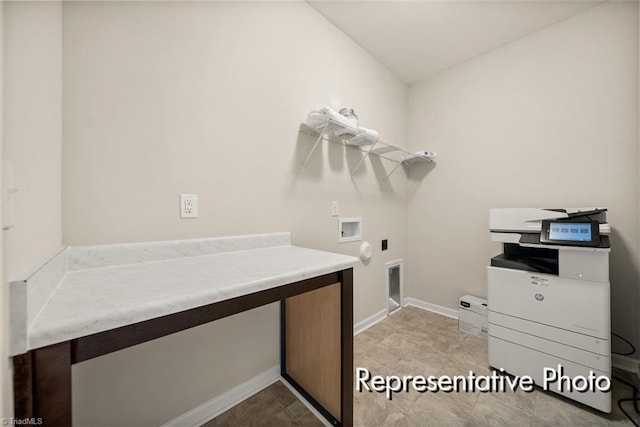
[42, 377]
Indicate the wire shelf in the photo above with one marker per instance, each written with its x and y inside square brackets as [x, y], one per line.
[324, 126]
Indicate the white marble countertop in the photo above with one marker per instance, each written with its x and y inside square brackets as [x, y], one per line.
[96, 299]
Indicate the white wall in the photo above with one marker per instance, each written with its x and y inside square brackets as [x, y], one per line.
[550, 120]
[31, 134]
[5, 370]
[32, 130]
[207, 97]
[163, 98]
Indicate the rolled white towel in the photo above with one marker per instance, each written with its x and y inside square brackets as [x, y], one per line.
[347, 133]
[327, 113]
[365, 137]
[371, 134]
[317, 120]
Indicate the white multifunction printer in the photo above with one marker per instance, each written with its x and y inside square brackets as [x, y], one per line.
[548, 296]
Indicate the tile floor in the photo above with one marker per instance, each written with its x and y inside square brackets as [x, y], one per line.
[418, 342]
[275, 406]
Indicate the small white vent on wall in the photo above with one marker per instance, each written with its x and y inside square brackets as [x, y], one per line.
[394, 285]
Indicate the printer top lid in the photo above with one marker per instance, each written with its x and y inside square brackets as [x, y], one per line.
[529, 220]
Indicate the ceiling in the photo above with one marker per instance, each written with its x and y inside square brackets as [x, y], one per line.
[416, 39]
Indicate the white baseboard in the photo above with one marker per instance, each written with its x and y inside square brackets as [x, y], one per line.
[216, 406]
[369, 322]
[382, 314]
[309, 406]
[445, 311]
[227, 400]
[626, 363]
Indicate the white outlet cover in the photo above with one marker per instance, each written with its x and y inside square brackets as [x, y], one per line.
[188, 206]
[335, 208]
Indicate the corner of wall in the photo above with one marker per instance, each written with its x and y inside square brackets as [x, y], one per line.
[5, 368]
[638, 168]
[30, 129]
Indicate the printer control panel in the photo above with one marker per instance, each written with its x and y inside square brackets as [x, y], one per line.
[569, 233]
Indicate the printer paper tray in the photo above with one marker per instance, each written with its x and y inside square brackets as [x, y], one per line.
[557, 335]
[576, 355]
[519, 360]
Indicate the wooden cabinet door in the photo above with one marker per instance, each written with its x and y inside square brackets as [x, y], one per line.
[313, 353]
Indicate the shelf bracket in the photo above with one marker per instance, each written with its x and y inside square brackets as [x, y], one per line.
[363, 158]
[324, 129]
[394, 169]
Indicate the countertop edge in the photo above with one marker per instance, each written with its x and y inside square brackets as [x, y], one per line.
[24, 337]
[38, 340]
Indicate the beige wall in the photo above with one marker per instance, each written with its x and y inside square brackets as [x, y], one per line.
[163, 98]
[31, 136]
[550, 120]
[207, 98]
[32, 130]
[5, 370]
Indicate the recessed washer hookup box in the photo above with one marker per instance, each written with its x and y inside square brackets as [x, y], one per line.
[472, 315]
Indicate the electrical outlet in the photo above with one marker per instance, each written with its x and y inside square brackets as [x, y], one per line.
[188, 206]
[335, 208]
